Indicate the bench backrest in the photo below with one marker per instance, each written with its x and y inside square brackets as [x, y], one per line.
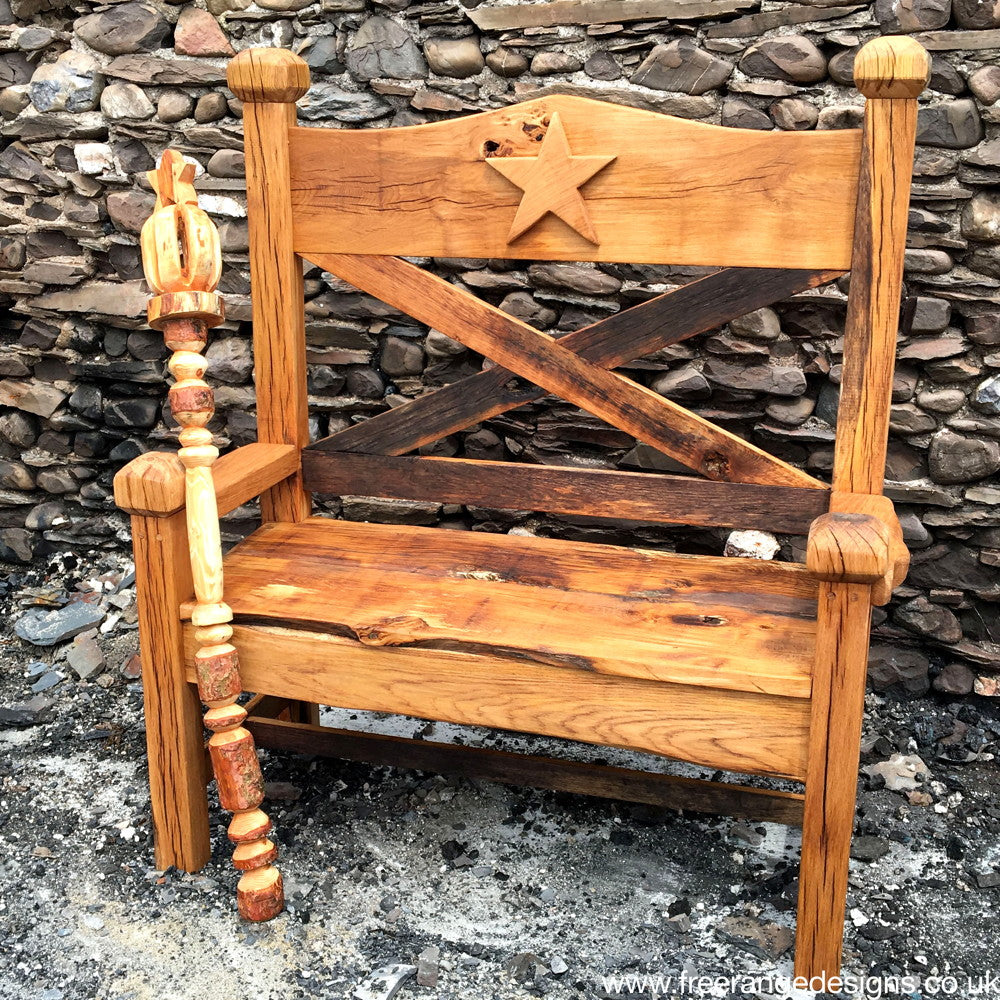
[567, 178]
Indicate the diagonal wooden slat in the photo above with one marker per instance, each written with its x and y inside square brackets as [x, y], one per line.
[638, 411]
[667, 319]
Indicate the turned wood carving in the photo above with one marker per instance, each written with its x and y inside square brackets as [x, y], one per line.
[183, 264]
[551, 182]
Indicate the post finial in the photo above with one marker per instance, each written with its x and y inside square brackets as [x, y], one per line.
[892, 66]
[268, 76]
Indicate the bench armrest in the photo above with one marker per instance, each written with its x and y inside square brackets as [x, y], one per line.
[152, 485]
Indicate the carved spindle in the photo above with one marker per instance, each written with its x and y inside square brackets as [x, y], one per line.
[183, 263]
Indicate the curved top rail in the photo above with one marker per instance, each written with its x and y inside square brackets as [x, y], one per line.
[571, 178]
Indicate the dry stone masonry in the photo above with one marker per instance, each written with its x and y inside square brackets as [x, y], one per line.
[91, 94]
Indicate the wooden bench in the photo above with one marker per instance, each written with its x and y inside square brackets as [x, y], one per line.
[744, 665]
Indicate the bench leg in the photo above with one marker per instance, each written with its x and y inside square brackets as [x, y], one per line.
[838, 700]
[174, 733]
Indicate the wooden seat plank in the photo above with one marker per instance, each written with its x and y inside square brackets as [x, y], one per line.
[734, 730]
[685, 619]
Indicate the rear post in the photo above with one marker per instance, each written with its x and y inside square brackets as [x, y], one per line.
[890, 72]
[269, 82]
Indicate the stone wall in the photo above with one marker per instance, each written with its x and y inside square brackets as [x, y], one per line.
[93, 94]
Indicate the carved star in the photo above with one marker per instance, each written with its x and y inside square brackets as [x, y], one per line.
[551, 183]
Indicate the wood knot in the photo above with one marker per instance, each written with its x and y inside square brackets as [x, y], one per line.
[397, 631]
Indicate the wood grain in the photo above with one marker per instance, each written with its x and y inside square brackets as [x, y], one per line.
[153, 484]
[637, 496]
[174, 743]
[873, 303]
[880, 507]
[279, 344]
[685, 619]
[691, 193]
[832, 776]
[733, 730]
[651, 788]
[639, 411]
[701, 305]
[850, 548]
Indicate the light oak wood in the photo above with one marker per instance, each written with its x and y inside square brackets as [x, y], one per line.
[850, 548]
[733, 730]
[153, 483]
[877, 269]
[701, 305]
[650, 788]
[880, 507]
[738, 664]
[776, 199]
[663, 616]
[172, 713]
[638, 496]
[268, 82]
[832, 776]
[551, 182]
[181, 254]
[515, 345]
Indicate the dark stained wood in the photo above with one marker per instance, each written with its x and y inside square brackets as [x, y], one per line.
[602, 781]
[667, 319]
[744, 625]
[636, 496]
[639, 411]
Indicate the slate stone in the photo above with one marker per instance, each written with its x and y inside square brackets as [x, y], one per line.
[15, 68]
[30, 713]
[931, 620]
[781, 380]
[454, 57]
[682, 66]
[738, 113]
[323, 56]
[950, 125]
[905, 670]
[381, 47]
[156, 71]
[788, 57]
[46, 628]
[956, 459]
[976, 14]
[574, 278]
[602, 65]
[125, 28]
[955, 678]
[85, 658]
[902, 16]
[981, 217]
[327, 100]
[72, 83]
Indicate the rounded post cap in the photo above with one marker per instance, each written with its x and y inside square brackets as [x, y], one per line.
[892, 66]
[268, 76]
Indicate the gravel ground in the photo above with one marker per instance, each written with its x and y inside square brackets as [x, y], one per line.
[495, 892]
